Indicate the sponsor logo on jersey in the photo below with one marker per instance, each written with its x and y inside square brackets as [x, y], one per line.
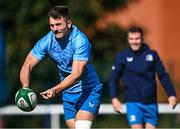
[91, 105]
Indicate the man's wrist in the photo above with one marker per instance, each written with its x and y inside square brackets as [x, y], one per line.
[53, 92]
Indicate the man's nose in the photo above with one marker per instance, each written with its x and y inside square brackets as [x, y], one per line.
[134, 41]
[55, 28]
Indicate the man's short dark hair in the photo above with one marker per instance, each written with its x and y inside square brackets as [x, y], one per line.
[135, 29]
[59, 11]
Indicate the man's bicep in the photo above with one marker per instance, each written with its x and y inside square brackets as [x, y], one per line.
[159, 66]
[29, 63]
[78, 67]
[82, 51]
[31, 60]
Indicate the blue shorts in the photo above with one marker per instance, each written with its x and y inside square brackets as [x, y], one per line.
[139, 113]
[88, 100]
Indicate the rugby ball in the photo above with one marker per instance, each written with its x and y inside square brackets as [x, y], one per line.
[26, 99]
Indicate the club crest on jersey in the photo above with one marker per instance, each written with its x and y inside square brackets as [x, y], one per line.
[149, 57]
[129, 59]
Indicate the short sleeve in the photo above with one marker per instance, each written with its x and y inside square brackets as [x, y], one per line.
[82, 49]
[40, 49]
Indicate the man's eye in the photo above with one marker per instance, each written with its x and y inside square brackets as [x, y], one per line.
[58, 24]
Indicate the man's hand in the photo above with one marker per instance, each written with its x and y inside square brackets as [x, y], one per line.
[117, 105]
[48, 94]
[172, 101]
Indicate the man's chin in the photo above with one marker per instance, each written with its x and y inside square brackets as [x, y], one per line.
[135, 48]
[59, 36]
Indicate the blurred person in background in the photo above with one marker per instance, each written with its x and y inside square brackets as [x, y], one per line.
[138, 66]
[70, 49]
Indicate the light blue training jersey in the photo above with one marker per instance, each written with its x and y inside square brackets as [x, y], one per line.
[75, 47]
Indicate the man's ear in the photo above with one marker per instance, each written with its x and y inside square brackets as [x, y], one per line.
[69, 23]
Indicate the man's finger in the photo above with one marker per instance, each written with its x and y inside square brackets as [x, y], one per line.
[174, 106]
[45, 97]
[121, 111]
[118, 112]
[42, 93]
